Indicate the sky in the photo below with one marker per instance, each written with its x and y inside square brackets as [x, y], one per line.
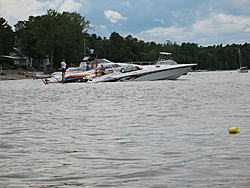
[204, 22]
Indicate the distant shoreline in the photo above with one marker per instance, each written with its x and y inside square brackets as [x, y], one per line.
[19, 75]
[14, 77]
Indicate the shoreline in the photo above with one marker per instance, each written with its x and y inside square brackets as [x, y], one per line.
[21, 75]
[14, 77]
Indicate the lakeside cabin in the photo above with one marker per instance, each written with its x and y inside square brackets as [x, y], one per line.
[40, 64]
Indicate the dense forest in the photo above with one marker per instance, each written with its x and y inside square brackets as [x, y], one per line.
[65, 36]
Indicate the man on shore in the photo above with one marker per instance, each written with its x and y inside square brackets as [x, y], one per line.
[63, 65]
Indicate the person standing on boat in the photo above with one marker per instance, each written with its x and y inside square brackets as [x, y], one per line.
[96, 64]
[63, 65]
[92, 66]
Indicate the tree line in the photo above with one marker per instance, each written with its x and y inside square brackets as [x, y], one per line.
[65, 36]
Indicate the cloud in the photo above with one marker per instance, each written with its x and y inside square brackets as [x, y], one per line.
[157, 20]
[175, 14]
[103, 26]
[216, 27]
[202, 22]
[246, 28]
[114, 16]
[13, 10]
[127, 3]
[70, 6]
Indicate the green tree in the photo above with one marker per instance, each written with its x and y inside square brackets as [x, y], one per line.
[6, 37]
[151, 56]
[116, 42]
[26, 41]
[59, 33]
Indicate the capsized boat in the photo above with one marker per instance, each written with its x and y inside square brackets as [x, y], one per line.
[124, 72]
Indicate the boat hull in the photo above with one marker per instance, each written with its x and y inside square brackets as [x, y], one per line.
[242, 70]
[148, 74]
[70, 77]
[168, 74]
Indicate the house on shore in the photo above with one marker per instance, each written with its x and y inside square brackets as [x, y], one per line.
[28, 62]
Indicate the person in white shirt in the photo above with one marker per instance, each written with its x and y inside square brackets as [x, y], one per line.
[63, 64]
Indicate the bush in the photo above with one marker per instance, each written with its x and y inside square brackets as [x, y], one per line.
[7, 63]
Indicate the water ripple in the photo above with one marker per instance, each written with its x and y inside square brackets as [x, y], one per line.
[140, 134]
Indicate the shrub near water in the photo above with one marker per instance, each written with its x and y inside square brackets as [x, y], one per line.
[7, 64]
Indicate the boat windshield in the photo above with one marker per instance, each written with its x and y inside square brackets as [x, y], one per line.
[102, 61]
[131, 67]
[81, 68]
[165, 56]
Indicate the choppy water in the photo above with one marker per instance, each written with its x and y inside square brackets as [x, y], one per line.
[135, 134]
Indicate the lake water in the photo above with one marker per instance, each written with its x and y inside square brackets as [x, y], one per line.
[127, 134]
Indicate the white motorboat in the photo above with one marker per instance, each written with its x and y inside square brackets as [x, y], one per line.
[125, 72]
[145, 73]
[75, 74]
[165, 68]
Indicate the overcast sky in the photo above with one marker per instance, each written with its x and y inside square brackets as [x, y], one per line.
[205, 22]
